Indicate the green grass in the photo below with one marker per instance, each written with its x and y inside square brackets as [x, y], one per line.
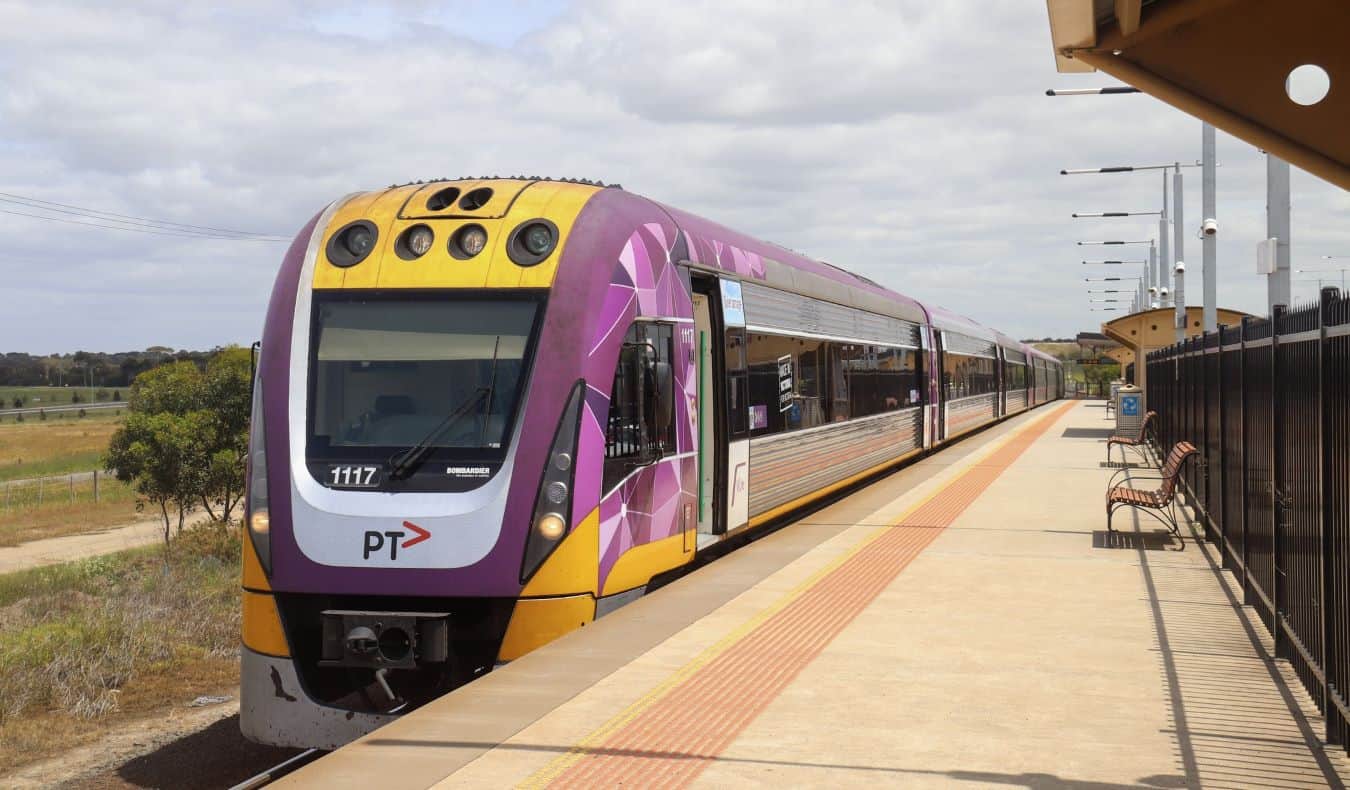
[39, 397]
[123, 633]
[37, 448]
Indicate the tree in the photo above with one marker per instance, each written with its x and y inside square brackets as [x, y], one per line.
[159, 454]
[186, 439]
[227, 391]
[18, 402]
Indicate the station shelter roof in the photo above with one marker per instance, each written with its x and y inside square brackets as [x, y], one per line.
[1149, 330]
[1225, 62]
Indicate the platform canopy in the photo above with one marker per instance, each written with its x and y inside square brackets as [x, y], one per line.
[1226, 62]
[1149, 330]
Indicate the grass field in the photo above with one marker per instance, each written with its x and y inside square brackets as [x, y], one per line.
[35, 448]
[91, 644]
[38, 397]
[55, 507]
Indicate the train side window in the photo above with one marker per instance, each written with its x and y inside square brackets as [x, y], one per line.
[641, 423]
[738, 395]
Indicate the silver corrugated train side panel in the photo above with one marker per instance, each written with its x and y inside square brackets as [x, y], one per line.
[1017, 401]
[964, 414]
[788, 466]
[769, 308]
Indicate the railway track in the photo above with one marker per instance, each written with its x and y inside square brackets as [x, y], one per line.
[279, 770]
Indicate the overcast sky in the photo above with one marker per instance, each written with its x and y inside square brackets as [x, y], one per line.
[908, 141]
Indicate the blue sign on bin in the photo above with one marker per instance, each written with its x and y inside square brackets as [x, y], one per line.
[1129, 405]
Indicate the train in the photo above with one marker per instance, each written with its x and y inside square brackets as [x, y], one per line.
[487, 412]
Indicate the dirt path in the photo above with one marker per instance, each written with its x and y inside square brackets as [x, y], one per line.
[183, 748]
[53, 551]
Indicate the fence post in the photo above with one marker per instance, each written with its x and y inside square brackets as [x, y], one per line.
[95, 486]
[40, 487]
[1330, 714]
[1218, 500]
[1246, 541]
[72, 487]
[1277, 485]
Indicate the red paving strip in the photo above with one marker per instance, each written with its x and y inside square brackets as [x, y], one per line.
[672, 740]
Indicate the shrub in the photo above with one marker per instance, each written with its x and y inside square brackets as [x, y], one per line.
[86, 628]
[211, 539]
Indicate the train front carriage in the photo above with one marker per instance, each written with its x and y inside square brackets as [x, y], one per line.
[489, 411]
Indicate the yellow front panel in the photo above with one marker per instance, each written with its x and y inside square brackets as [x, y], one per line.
[395, 210]
[383, 211]
[573, 566]
[326, 275]
[639, 564]
[537, 621]
[504, 193]
[253, 576]
[564, 207]
[262, 625]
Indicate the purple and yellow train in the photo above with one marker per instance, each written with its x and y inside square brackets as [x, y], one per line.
[488, 412]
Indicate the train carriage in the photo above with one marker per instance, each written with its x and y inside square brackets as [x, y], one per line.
[488, 412]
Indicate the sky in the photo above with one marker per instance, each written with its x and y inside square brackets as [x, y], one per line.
[911, 142]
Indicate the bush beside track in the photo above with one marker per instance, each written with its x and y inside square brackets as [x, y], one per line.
[87, 645]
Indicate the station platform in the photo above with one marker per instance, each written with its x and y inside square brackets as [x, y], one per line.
[963, 622]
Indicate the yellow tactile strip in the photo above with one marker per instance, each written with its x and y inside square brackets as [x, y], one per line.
[669, 736]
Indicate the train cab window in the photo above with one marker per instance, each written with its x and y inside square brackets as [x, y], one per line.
[389, 373]
[641, 424]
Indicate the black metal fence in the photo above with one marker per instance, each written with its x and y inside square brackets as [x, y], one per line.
[1267, 404]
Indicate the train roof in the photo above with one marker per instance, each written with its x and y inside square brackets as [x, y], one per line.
[949, 321]
[792, 271]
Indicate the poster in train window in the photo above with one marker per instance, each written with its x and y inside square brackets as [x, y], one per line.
[785, 382]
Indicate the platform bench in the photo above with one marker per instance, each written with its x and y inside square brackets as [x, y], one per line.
[1160, 502]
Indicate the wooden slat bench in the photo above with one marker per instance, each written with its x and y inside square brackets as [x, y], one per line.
[1160, 502]
[1138, 441]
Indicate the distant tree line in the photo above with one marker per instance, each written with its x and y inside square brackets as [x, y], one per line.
[91, 368]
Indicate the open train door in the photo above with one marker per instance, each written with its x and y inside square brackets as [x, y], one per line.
[940, 374]
[723, 449]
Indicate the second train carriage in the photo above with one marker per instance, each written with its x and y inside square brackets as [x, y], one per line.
[488, 412]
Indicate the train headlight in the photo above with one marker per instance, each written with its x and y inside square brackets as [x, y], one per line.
[531, 242]
[257, 515]
[538, 240]
[468, 241]
[551, 526]
[352, 243]
[553, 503]
[414, 242]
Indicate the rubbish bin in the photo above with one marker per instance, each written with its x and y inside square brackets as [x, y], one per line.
[1129, 409]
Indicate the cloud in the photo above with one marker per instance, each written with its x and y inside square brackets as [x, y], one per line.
[908, 141]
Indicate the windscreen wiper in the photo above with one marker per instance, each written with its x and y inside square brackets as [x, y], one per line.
[405, 462]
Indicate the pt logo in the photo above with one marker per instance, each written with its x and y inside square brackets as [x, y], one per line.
[375, 540]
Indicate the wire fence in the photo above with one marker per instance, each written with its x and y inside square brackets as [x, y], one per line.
[1267, 404]
[70, 489]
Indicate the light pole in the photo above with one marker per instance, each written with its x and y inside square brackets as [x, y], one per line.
[1101, 214]
[1169, 257]
[1277, 228]
[1107, 91]
[1317, 271]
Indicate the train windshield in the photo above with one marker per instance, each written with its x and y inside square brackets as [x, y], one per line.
[388, 374]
